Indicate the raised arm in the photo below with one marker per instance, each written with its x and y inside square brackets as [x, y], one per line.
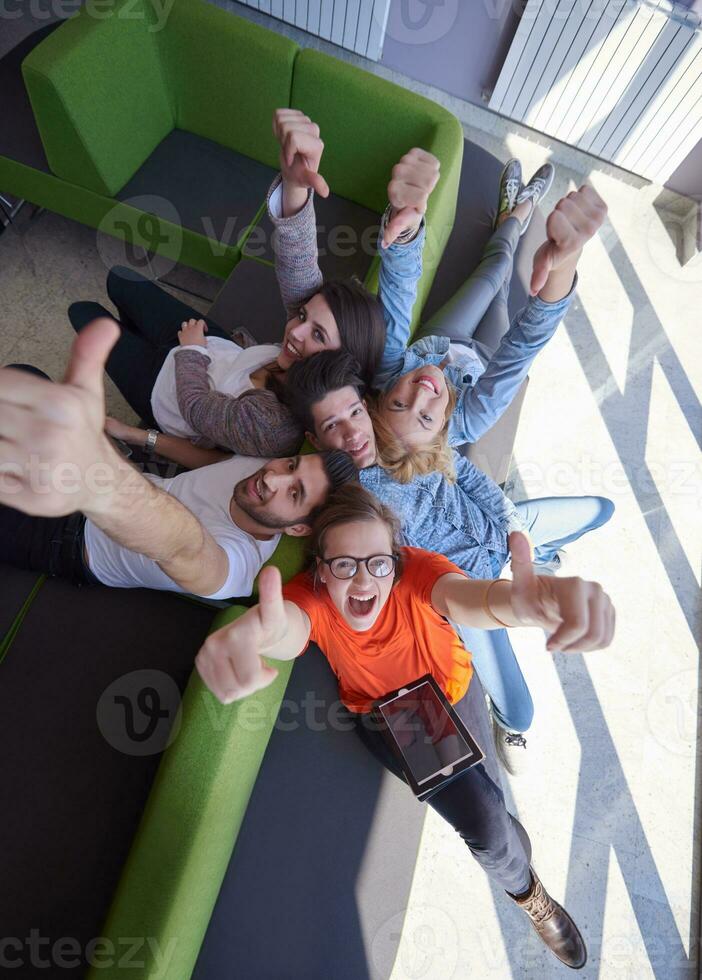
[291, 206]
[401, 243]
[573, 222]
[230, 661]
[55, 458]
[576, 614]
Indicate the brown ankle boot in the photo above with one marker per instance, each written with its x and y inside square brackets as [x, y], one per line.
[553, 924]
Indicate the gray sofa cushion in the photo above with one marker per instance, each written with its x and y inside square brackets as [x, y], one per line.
[74, 789]
[325, 856]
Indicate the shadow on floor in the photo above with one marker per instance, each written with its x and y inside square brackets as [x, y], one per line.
[626, 416]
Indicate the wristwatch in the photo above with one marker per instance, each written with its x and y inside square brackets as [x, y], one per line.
[407, 236]
[151, 437]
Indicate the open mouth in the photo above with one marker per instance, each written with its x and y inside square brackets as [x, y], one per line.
[362, 606]
[292, 350]
[255, 487]
[426, 382]
[359, 451]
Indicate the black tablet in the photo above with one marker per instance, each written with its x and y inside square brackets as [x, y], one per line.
[430, 741]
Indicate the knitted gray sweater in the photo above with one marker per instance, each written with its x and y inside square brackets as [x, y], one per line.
[255, 423]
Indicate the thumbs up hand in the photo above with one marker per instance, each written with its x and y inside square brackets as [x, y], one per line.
[575, 219]
[52, 440]
[577, 614]
[413, 179]
[301, 151]
[230, 661]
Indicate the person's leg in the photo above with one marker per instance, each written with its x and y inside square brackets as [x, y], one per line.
[473, 305]
[50, 545]
[473, 803]
[495, 663]
[149, 311]
[553, 522]
[30, 369]
[133, 363]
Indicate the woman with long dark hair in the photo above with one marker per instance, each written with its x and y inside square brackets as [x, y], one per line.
[186, 377]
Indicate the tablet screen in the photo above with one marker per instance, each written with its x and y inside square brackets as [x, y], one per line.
[425, 733]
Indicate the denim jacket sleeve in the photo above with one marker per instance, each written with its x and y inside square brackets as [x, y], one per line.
[483, 491]
[400, 271]
[480, 405]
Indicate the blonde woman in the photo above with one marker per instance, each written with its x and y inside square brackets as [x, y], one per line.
[451, 386]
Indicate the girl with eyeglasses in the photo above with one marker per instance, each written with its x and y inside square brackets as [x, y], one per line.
[379, 612]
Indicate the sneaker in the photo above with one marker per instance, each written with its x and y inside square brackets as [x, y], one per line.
[510, 748]
[553, 566]
[537, 188]
[84, 312]
[510, 186]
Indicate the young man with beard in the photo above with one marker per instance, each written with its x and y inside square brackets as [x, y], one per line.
[72, 506]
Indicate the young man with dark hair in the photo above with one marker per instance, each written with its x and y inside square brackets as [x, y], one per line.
[71, 505]
[468, 521]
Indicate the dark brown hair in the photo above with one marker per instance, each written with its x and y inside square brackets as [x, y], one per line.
[359, 317]
[308, 382]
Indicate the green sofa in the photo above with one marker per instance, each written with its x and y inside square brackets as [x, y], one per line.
[159, 134]
[120, 100]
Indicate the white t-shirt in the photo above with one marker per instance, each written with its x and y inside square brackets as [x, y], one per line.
[207, 492]
[228, 372]
[467, 359]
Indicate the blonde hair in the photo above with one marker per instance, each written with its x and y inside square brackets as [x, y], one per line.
[405, 463]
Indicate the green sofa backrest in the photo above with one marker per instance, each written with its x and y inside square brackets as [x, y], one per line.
[99, 96]
[225, 76]
[180, 853]
[367, 123]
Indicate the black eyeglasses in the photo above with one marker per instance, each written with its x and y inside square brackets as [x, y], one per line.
[346, 566]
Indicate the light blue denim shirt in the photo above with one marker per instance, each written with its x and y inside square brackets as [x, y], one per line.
[467, 521]
[482, 397]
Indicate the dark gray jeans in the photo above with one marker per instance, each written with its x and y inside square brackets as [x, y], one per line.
[473, 803]
[478, 313]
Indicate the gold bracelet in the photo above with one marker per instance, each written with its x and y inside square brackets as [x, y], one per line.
[486, 603]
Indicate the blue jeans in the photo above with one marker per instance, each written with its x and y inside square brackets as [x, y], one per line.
[552, 523]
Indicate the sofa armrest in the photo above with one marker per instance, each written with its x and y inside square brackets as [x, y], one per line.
[98, 95]
[367, 123]
[493, 453]
[182, 848]
[226, 76]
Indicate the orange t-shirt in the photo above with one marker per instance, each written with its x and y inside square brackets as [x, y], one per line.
[407, 640]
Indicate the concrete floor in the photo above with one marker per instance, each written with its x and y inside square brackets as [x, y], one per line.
[613, 408]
